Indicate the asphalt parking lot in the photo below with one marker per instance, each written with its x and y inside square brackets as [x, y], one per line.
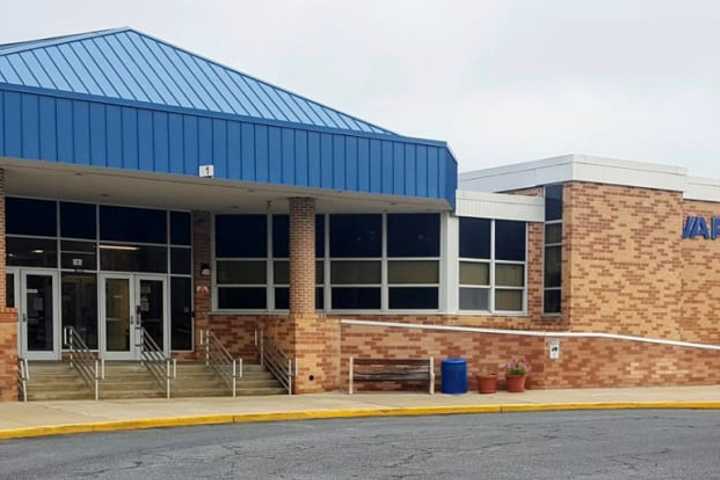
[588, 445]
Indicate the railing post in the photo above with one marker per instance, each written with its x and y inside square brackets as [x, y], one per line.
[234, 378]
[72, 348]
[174, 368]
[167, 378]
[102, 369]
[240, 364]
[207, 348]
[290, 376]
[97, 382]
[351, 369]
[262, 349]
[432, 376]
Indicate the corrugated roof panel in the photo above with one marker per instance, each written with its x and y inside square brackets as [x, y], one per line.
[129, 65]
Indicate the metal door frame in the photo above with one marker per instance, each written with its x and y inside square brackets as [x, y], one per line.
[20, 275]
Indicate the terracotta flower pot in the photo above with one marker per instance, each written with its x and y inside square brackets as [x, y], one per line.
[487, 383]
[516, 383]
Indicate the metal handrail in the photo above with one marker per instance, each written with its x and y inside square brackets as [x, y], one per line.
[23, 377]
[219, 359]
[277, 362]
[152, 357]
[83, 360]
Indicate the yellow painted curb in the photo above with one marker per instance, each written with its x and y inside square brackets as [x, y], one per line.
[220, 419]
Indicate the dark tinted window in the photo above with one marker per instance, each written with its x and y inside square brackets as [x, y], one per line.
[474, 237]
[79, 305]
[413, 298]
[241, 236]
[78, 255]
[553, 202]
[356, 235]
[552, 301]
[78, 220]
[354, 298]
[30, 217]
[281, 236]
[509, 240]
[10, 290]
[180, 261]
[141, 258]
[181, 313]
[125, 224]
[553, 266]
[31, 252]
[282, 298]
[242, 298]
[413, 235]
[180, 230]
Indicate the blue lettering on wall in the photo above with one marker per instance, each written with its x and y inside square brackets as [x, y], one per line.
[697, 226]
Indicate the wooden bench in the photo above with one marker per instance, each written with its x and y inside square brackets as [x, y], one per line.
[391, 370]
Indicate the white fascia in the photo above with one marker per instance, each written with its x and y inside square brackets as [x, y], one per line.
[501, 206]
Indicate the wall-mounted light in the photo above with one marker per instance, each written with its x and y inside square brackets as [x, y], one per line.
[204, 269]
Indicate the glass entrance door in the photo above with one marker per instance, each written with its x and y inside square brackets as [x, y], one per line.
[39, 319]
[118, 317]
[127, 303]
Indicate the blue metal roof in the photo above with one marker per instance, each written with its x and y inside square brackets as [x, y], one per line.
[121, 99]
[129, 65]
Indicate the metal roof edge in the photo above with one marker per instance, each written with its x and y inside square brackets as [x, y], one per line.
[28, 45]
[219, 115]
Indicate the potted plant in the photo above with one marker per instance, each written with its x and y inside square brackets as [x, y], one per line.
[516, 372]
[487, 382]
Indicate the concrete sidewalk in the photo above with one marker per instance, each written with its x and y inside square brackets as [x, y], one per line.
[47, 418]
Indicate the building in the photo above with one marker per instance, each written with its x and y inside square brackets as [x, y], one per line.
[150, 194]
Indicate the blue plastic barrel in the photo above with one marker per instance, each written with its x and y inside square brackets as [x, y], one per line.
[454, 376]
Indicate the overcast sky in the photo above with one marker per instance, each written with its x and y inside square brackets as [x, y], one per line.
[500, 81]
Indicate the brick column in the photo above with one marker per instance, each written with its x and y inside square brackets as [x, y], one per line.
[316, 339]
[202, 256]
[8, 319]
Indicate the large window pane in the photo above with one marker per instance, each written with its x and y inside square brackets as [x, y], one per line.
[281, 272]
[552, 301]
[474, 273]
[133, 258]
[181, 313]
[509, 240]
[79, 305]
[25, 216]
[78, 255]
[125, 224]
[553, 233]
[10, 290]
[413, 298]
[180, 229]
[356, 235]
[281, 236]
[413, 235]
[180, 261]
[282, 298]
[355, 298]
[475, 299]
[355, 272]
[242, 298]
[78, 220]
[553, 202]
[553, 266]
[474, 237]
[509, 275]
[241, 236]
[31, 252]
[410, 271]
[509, 300]
[241, 272]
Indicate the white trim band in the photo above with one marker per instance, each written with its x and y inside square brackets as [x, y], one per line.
[532, 333]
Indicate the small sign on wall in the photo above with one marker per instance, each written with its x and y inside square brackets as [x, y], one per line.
[206, 171]
[553, 345]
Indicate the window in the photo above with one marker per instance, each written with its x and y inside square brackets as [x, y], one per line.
[413, 235]
[78, 255]
[31, 252]
[24, 216]
[492, 265]
[241, 236]
[281, 236]
[355, 236]
[552, 264]
[137, 225]
[180, 228]
[78, 220]
[133, 258]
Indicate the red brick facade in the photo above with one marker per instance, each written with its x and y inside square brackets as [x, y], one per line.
[8, 319]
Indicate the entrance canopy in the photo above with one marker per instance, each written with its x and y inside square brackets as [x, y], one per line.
[127, 103]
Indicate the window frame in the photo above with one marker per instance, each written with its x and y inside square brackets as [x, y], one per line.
[545, 246]
[492, 287]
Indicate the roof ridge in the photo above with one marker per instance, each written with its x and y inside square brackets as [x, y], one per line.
[27, 45]
[259, 80]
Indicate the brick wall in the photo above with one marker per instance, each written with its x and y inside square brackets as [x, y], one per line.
[8, 319]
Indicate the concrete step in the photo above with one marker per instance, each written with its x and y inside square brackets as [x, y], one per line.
[59, 395]
[129, 394]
